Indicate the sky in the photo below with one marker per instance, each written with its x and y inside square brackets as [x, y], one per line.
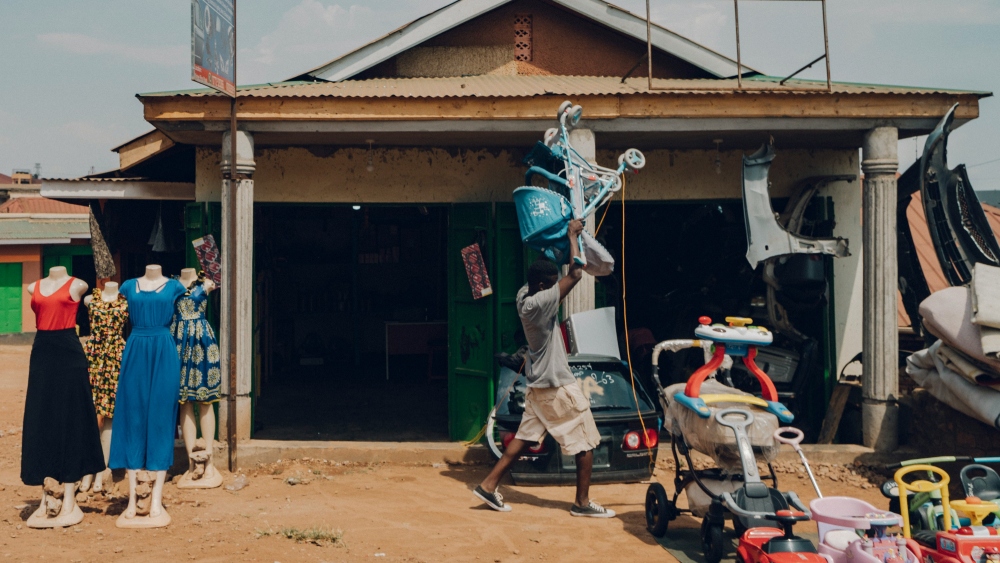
[70, 69]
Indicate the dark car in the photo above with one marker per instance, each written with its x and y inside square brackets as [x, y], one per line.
[625, 454]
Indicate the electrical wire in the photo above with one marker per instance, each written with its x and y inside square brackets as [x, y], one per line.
[628, 348]
[984, 163]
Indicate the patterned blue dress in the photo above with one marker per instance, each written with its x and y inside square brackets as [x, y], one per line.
[200, 374]
[145, 419]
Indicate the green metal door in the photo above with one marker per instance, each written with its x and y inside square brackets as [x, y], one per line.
[470, 325]
[51, 260]
[10, 298]
[508, 276]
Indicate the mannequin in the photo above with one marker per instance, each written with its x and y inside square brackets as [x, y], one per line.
[57, 381]
[109, 295]
[146, 410]
[190, 318]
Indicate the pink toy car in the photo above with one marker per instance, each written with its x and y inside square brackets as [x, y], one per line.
[851, 530]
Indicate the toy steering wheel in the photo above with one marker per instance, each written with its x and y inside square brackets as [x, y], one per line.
[922, 486]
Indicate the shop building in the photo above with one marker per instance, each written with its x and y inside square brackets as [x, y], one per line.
[367, 175]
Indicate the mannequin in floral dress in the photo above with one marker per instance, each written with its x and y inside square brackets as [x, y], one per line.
[201, 379]
[108, 311]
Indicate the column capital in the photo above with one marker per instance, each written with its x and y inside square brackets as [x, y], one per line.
[245, 163]
[878, 151]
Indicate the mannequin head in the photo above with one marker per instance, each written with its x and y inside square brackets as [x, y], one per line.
[153, 271]
[188, 276]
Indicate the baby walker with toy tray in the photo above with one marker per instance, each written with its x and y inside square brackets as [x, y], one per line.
[734, 428]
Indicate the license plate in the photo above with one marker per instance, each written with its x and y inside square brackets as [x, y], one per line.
[601, 459]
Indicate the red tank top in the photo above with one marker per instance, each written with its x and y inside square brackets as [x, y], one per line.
[57, 311]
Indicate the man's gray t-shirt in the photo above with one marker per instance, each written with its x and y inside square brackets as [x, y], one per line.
[548, 366]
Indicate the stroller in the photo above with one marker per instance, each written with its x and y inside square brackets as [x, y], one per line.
[739, 431]
[576, 188]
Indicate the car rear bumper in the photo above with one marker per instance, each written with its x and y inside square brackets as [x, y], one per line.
[620, 476]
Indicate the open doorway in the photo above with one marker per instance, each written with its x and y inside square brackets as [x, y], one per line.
[351, 323]
[684, 260]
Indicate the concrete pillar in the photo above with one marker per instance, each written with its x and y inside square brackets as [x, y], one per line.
[880, 382]
[582, 297]
[239, 195]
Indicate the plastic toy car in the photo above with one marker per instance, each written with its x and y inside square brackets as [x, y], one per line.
[967, 544]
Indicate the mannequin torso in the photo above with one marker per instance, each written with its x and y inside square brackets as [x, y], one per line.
[56, 279]
[189, 277]
[108, 294]
[153, 279]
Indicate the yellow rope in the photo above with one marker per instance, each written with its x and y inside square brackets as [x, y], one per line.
[628, 349]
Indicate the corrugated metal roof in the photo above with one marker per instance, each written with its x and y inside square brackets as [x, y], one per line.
[40, 205]
[21, 228]
[93, 179]
[925, 248]
[503, 86]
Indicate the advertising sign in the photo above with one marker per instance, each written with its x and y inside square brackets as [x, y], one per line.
[213, 44]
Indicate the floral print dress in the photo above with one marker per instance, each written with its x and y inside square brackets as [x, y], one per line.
[197, 347]
[104, 349]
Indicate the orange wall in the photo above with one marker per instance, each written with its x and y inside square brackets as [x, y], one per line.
[30, 257]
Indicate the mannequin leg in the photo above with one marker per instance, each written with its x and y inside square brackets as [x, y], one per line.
[70, 514]
[156, 508]
[106, 447]
[69, 498]
[189, 430]
[207, 412]
[132, 484]
[40, 513]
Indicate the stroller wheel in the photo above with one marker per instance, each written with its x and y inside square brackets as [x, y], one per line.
[711, 541]
[659, 510]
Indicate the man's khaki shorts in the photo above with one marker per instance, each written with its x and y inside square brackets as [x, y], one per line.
[563, 412]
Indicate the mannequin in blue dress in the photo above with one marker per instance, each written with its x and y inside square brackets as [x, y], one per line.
[146, 403]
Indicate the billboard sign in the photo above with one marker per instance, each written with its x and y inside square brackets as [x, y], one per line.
[213, 44]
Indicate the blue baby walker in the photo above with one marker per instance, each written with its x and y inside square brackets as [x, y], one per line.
[574, 192]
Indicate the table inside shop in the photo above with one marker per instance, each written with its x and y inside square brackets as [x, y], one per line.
[414, 338]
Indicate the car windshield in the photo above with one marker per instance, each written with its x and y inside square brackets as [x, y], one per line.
[606, 384]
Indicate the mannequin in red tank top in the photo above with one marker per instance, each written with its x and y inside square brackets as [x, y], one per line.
[53, 311]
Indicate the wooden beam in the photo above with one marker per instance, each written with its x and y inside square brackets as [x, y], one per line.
[142, 149]
[677, 105]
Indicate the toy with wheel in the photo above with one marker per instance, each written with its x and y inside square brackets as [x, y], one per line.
[952, 544]
[850, 530]
[736, 451]
[979, 482]
[576, 188]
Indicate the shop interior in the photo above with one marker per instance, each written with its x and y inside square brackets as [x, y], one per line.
[351, 322]
[685, 260]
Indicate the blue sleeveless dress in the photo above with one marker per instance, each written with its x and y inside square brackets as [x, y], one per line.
[201, 376]
[146, 405]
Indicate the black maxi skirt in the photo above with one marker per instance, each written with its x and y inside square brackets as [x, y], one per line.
[60, 438]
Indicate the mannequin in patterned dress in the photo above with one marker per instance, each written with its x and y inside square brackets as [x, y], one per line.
[109, 295]
[191, 329]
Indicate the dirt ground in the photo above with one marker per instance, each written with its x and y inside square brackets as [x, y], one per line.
[379, 513]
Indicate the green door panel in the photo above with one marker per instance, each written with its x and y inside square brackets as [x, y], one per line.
[51, 260]
[10, 298]
[508, 276]
[470, 326]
